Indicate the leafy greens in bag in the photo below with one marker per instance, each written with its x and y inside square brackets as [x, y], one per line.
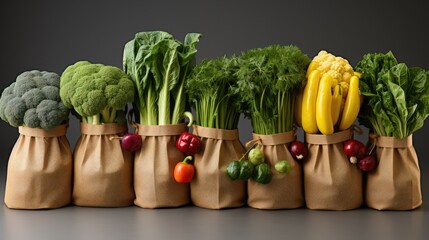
[268, 81]
[396, 97]
[159, 65]
[210, 91]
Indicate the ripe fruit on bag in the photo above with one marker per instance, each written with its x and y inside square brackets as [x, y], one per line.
[246, 170]
[188, 143]
[262, 173]
[298, 150]
[233, 169]
[130, 142]
[354, 150]
[184, 171]
[367, 163]
[239, 169]
[324, 106]
[308, 104]
[352, 105]
[283, 167]
[256, 156]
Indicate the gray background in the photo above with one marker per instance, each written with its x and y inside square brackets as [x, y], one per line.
[50, 35]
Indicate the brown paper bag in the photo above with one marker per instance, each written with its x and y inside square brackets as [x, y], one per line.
[154, 164]
[394, 184]
[285, 191]
[39, 173]
[331, 182]
[102, 169]
[211, 187]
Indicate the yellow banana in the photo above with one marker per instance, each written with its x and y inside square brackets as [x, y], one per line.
[313, 66]
[352, 105]
[336, 104]
[298, 107]
[308, 110]
[324, 106]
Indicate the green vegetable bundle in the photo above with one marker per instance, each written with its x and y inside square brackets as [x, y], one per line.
[159, 65]
[210, 91]
[97, 93]
[33, 101]
[396, 97]
[268, 81]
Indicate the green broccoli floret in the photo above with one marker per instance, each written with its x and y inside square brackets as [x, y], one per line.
[33, 101]
[15, 111]
[49, 112]
[97, 93]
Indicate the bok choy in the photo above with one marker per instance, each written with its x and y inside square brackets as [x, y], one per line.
[158, 64]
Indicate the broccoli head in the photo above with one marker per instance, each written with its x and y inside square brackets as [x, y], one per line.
[97, 93]
[33, 100]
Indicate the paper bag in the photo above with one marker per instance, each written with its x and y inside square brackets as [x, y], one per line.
[102, 169]
[211, 187]
[285, 191]
[39, 174]
[331, 182]
[154, 164]
[394, 184]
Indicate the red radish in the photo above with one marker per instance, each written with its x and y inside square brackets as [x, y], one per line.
[131, 142]
[298, 150]
[351, 149]
[367, 163]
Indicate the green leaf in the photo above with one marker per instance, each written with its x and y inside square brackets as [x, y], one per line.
[187, 62]
[400, 75]
[402, 102]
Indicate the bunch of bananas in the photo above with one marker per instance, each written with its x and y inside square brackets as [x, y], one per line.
[331, 97]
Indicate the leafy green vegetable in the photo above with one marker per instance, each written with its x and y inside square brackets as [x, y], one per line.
[268, 81]
[209, 89]
[396, 97]
[159, 65]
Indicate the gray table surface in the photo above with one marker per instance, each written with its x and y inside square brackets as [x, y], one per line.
[195, 223]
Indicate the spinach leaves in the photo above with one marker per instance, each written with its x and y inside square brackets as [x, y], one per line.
[396, 96]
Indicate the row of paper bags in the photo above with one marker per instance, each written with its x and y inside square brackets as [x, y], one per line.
[42, 173]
